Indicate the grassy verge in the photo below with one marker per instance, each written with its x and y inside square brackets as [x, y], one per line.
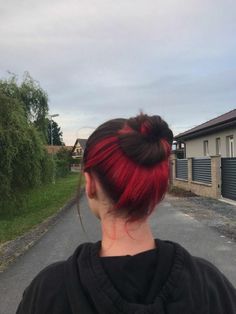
[38, 205]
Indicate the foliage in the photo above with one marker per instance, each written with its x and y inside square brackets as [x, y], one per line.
[24, 163]
[32, 98]
[76, 161]
[63, 158]
[12, 135]
[64, 154]
[54, 133]
[48, 168]
[62, 169]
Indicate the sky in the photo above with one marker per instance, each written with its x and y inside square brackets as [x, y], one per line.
[106, 59]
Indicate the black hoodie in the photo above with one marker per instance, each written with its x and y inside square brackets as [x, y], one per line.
[171, 281]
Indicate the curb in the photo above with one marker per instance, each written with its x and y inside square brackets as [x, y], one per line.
[11, 250]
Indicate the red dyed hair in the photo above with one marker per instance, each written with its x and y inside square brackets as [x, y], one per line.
[130, 159]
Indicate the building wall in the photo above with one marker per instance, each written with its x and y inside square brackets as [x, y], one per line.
[194, 147]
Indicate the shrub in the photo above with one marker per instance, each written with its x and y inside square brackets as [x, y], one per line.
[62, 160]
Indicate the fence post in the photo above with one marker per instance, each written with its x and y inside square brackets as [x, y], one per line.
[216, 175]
[172, 168]
[190, 171]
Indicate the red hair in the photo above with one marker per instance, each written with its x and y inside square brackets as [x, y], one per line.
[134, 188]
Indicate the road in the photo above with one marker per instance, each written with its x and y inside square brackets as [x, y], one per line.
[61, 240]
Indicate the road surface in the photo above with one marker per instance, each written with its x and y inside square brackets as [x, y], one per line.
[62, 238]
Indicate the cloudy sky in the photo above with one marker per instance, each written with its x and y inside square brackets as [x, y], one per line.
[104, 59]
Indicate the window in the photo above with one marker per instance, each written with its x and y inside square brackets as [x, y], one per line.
[205, 148]
[230, 146]
[218, 148]
[78, 151]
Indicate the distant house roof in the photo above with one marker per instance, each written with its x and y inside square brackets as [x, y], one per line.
[81, 141]
[54, 149]
[219, 123]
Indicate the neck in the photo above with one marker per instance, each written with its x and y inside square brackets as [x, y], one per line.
[121, 238]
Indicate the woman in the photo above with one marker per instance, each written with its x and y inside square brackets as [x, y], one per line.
[126, 168]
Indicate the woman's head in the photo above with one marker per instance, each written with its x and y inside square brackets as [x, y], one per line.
[129, 158]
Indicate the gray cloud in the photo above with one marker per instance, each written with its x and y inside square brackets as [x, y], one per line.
[110, 58]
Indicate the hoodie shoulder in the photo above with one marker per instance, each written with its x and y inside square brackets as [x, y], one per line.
[203, 282]
[197, 286]
[220, 293]
[55, 289]
[46, 293]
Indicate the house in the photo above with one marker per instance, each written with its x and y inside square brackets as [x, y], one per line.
[214, 137]
[78, 148]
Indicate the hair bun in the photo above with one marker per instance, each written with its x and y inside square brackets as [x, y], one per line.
[146, 139]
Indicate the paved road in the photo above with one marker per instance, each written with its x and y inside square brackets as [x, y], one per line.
[61, 240]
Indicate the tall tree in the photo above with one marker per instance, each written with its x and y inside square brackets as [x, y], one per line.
[32, 97]
[24, 162]
[54, 133]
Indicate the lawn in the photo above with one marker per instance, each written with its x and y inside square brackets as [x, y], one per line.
[38, 205]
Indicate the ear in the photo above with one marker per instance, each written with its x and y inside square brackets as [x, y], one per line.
[90, 186]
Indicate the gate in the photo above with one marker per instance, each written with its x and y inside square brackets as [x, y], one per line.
[228, 175]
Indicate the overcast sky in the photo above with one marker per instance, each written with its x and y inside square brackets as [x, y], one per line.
[107, 58]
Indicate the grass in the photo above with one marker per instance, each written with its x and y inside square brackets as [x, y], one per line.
[38, 205]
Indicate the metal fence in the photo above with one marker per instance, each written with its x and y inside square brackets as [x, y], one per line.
[201, 170]
[228, 174]
[182, 169]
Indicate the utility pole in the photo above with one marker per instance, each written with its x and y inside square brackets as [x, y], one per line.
[51, 133]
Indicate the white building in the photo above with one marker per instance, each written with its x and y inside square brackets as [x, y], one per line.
[214, 137]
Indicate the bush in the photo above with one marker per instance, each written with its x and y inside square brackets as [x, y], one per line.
[62, 160]
[76, 161]
[62, 169]
[48, 167]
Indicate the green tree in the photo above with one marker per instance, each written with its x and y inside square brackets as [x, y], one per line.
[54, 135]
[12, 126]
[24, 162]
[32, 98]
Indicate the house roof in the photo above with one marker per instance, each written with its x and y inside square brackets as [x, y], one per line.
[81, 141]
[216, 124]
[54, 149]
